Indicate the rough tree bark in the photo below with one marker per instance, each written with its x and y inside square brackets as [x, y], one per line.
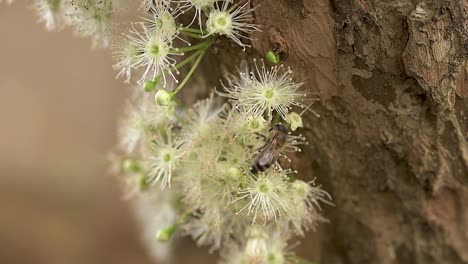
[391, 142]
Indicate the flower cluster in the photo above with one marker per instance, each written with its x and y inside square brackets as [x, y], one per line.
[218, 170]
[90, 18]
[155, 46]
[206, 155]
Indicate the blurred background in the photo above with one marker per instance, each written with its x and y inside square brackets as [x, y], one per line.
[59, 103]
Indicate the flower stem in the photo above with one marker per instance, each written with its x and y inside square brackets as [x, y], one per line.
[195, 47]
[193, 30]
[193, 35]
[187, 60]
[194, 66]
[180, 64]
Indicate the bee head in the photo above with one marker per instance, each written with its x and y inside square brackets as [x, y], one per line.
[280, 127]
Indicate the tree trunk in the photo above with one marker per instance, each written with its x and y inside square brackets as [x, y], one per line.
[390, 144]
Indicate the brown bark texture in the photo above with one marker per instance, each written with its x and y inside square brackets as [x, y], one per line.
[390, 144]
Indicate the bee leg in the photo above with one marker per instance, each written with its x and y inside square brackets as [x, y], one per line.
[261, 136]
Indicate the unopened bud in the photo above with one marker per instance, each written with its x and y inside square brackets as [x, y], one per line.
[272, 57]
[144, 184]
[165, 234]
[150, 86]
[234, 173]
[162, 97]
[131, 165]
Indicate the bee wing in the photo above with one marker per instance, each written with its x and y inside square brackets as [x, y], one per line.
[268, 156]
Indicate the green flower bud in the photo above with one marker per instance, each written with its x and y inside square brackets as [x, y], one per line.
[144, 184]
[273, 57]
[162, 97]
[131, 165]
[295, 120]
[151, 85]
[275, 258]
[234, 173]
[165, 234]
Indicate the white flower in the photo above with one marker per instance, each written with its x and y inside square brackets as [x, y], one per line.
[131, 132]
[305, 205]
[124, 53]
[214, 227]
[264, 245]
[201, 120]
[165, 156]
[154, 51]
[160, 17]
[256, 245]
[235, 23]
[143, 117]
[50, 12]
[199, 6]
[265, 196]
[265, 91]
[92, 18]
[148, 4]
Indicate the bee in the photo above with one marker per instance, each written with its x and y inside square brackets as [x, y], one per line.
[270, 152]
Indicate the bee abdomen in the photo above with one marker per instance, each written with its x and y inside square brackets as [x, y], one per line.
[256, 168]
